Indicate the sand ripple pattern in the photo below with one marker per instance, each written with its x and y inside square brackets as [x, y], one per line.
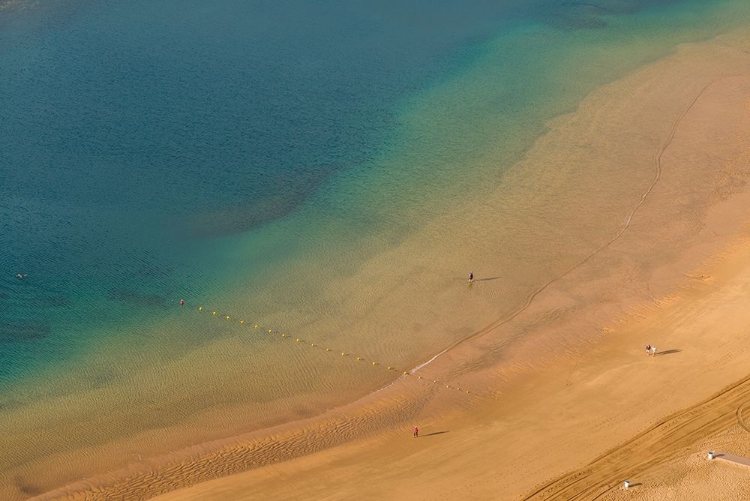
[344, 354]
[242, 455]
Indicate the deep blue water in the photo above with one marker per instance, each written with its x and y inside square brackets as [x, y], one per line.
[132, 132]
[129, 130]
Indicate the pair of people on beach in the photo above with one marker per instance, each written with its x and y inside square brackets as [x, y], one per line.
[650, 350]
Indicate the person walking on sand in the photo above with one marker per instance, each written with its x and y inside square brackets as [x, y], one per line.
[416, 432]
[648, 349]
[653, 350]
[471, 277]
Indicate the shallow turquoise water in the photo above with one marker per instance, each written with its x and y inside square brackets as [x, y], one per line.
[132, 133]
[156, 150]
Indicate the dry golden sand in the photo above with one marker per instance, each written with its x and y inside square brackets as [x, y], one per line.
[568, 433]
[564, 402]
[692, 476]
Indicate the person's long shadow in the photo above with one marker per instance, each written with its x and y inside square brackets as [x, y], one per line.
[435, 433]
[486, 279]
[667, 352]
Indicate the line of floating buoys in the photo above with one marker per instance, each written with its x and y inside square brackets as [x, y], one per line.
[343, 353]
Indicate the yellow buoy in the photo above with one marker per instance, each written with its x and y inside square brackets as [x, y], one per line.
[242, 322]
[374, 363]
[406, 373]
[297, 340]
[313, 345]
[270, 331]
[213, 313]
[420, 377]
[200, 308]
[328, 349]
[227, 317]
[389, 367]
[255, 326]
[343, 354]
[359, 358]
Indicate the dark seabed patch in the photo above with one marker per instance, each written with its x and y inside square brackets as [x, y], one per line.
[9, 403]
[286, 194]
[101, 377]
[578, 17]
[26, 487]
[154, 271]
[137, 299]
[302, 412]
[571, 15]
[52, 301]
[23, 331]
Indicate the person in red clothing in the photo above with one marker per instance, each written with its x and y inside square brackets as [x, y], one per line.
[416, 432]
[182, 302]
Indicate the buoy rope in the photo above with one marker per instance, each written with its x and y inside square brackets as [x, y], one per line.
[307, 342]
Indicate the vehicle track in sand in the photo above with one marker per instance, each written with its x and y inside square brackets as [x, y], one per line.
[671, 437]
[741, 420]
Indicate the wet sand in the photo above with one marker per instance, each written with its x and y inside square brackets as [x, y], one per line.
[561, 378]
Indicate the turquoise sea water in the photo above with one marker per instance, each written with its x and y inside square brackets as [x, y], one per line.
[152, 151]
[133, 134]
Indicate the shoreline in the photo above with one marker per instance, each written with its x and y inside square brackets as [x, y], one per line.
[480, 362]
[301, 471]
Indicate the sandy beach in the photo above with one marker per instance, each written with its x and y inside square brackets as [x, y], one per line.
[556, 398]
